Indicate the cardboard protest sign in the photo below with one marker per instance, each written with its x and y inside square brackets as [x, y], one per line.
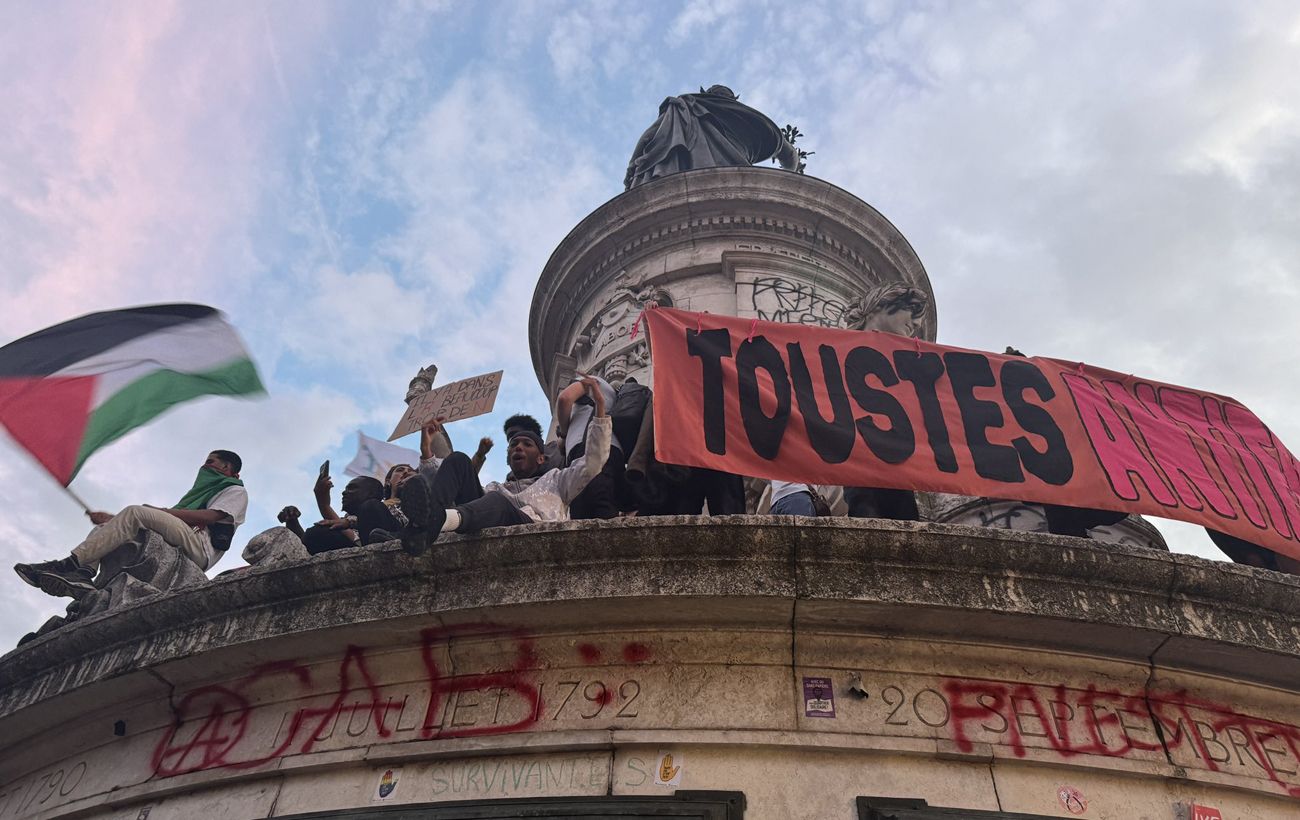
[451, 402]
[864, 409]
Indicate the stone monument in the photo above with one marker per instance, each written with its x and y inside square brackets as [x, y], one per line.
[727, 668]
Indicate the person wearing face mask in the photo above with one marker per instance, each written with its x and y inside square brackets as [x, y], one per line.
[201, 526]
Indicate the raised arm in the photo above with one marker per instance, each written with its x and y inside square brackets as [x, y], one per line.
[575, 478]
[564, 405]
[322, 492]
[480, 455]
[434, 441]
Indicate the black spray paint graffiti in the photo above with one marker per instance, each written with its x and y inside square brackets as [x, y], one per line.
[775, 299]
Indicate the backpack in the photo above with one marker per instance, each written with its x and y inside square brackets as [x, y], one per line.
[629, 409]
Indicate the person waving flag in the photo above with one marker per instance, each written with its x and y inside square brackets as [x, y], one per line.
[73, 388]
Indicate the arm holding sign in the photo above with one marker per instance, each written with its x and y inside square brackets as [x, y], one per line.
[434, 441]
[435, 445]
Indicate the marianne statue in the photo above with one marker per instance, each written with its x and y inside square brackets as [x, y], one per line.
[706, 130]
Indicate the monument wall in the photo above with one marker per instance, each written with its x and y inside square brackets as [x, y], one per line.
[799, 665]
[754, 242]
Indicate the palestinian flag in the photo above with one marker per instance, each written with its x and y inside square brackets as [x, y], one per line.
[70, 389]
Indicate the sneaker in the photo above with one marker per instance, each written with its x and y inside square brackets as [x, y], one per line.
[64, 578]
[424, 519]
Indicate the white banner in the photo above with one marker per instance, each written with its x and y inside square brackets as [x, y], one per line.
[376, 457]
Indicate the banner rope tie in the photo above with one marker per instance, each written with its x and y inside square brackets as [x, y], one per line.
[752, 326]
[636, 326]
[698, 317]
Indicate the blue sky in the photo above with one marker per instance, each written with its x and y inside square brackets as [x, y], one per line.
[367, 188]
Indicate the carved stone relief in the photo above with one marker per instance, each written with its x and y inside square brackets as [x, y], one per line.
[605, 346]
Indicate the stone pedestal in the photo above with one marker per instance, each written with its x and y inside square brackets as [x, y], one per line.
[753, 242]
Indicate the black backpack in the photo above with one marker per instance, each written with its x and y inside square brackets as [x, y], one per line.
[630, 402]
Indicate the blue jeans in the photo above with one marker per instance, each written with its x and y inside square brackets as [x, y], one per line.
[800, 503]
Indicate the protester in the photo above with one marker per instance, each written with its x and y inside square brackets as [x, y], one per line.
[455, 501]
[791, 498]
[899, 309]
[364, 514]
[201, 526]
[521, 422]
[1244, 552]
[573, 413]
[397, 475]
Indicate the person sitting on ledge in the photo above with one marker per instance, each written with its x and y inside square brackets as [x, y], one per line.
[522, 422]
[364, 514]
[201, 526]
[454, 501]
[1245, 552]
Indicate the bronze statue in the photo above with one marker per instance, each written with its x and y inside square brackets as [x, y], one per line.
[706, 130]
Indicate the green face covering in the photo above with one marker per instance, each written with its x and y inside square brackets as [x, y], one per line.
[207, 484]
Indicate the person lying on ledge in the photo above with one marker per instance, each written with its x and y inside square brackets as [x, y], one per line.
[454, 501]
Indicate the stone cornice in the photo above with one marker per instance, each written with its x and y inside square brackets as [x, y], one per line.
[840, 575]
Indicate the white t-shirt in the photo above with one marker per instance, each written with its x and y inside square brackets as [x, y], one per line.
[785, 489]
[580, 417]
[233, 501]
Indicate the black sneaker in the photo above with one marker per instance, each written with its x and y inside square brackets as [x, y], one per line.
[424, 519]
[64, 578]
[415, 506]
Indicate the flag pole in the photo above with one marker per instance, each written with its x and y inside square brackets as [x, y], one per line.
[75, 498]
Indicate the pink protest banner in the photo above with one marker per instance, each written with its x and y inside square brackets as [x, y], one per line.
[865, 409]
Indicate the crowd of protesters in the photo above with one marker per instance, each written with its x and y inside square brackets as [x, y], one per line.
[599, 464]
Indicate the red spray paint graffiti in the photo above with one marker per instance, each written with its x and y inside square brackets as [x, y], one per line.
[211, 724]
[1110, 719]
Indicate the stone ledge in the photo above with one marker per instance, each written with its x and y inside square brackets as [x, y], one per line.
[861, 576]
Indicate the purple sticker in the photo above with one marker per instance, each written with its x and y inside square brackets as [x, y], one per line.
[818, 698]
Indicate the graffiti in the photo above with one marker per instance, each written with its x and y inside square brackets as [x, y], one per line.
[1092, 721]
[1169, 726]
[33, 795]
[774, 299]
[229, 725]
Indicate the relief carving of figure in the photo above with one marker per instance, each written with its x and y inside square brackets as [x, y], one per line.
[892, 308]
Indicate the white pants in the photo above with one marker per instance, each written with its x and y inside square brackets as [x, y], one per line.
[122, 527]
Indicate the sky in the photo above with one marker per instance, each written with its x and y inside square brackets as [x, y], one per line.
[368, 188]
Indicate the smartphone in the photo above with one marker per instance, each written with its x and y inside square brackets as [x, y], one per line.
[325, 469]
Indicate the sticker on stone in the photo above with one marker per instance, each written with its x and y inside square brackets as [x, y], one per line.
[387, 784]
[668, 768]
[818, 698]
[1072, 799]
